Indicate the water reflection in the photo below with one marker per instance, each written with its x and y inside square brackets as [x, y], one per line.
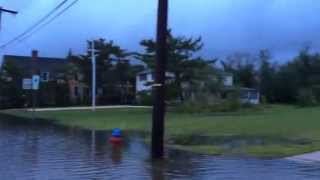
[42, 151]
[158, 169]
[116, 153]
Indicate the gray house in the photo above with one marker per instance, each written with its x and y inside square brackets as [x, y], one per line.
[53, 76]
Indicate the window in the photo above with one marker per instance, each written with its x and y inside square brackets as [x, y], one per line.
[76, 77]
[143, 77]
[153, 76]
[76, 91]
[244, 94]
[253, 95]
[44, 76]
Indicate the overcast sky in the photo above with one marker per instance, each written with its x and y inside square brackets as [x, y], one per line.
[227, 26]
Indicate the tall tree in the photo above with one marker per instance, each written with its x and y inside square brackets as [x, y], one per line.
[124, 75]
[182, 60]
[266, 76]
[299, 79]
[242, 66]
[11, 85]
[115, 73]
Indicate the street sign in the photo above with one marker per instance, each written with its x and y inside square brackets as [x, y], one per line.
[35, 82]
[27, 84]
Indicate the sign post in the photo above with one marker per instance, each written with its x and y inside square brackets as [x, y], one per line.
[35, 88]
[35, 82]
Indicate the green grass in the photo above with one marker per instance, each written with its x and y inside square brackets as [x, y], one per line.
[284, 130]
[200, 149]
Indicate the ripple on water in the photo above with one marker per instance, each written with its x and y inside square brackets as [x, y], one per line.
[41, 152]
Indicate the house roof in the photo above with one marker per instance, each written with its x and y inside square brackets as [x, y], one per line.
[248, 89]
[224, 73]
[148, 71]
[42, 64]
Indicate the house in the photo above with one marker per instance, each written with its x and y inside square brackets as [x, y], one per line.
[54, 78]
[227, 79]
[249, 96]
[145, 80]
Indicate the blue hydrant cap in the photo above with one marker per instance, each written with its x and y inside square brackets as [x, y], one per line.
[116, 132]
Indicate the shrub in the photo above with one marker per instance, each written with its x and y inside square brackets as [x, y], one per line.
[145, 98]
[264, 100]
[316, 92]
[189, 107]
[306, 97]
[209, 104]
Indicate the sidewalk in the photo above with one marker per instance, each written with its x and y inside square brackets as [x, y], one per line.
[309, 157]
[85, 108]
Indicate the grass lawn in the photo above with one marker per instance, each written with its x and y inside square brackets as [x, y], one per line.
[273, 131]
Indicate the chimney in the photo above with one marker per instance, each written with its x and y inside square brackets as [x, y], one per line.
[34, 54]
[34, 57]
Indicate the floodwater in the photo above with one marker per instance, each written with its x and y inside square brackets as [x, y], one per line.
[31, 151]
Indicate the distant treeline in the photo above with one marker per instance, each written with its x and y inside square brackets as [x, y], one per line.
[297, 81]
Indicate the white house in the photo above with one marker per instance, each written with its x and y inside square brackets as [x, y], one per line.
[145, 79]
[250, 96]
[247, 95]
[227, 79]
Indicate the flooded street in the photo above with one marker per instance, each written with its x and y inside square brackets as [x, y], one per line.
[42, 151]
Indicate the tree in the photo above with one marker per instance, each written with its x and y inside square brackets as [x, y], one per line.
[107, 53]
[242, 66]
[115, 73]
[181, 60]
[266, 76]
[124, 75]
[298, 80]
[11, 91]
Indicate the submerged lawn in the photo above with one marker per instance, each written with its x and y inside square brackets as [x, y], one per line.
[273, 131]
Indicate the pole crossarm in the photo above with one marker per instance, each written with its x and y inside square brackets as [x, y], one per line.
[8, 11]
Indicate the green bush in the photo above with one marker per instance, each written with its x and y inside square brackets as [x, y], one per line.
[209, 104]
[316, 92]
[145, 98]
[189, 107]
[264, 100]
[306, 97]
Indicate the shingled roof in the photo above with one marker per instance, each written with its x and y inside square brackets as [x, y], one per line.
[41, 64]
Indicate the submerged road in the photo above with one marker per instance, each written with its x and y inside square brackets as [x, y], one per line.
[308, 157]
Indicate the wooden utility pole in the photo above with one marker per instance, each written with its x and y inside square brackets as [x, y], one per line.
[6, 11]
[159, 86]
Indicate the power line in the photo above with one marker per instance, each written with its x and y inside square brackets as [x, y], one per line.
[49, 21]
[36, 24]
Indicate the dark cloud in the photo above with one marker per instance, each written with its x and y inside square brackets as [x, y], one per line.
[226, 26]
